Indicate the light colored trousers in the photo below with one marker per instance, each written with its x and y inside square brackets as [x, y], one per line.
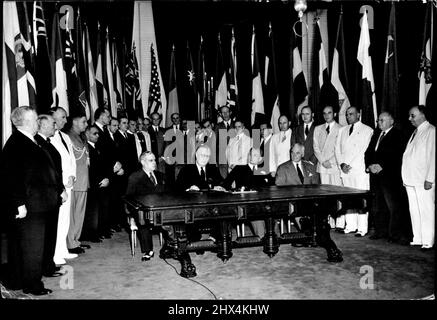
[335, 180]
[77, 215]
[61, 250]
[422, 212]
[354, 220]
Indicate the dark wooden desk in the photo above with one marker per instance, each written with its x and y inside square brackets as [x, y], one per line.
[267, 204]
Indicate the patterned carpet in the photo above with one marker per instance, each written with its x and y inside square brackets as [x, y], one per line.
[371, 270]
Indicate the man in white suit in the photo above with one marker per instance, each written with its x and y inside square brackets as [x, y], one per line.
[238, 148]
[280, 145]
[62, 143]
[352, 143]
[418, 176]
[325, 137]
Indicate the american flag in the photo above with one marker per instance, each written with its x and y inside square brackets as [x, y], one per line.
[154, 89]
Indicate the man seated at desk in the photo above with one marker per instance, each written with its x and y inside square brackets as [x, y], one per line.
[250, 177]
[299, 172]
[200, 176]
[142, 182]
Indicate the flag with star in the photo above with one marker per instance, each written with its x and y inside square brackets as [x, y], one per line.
[202, 84]
[132, 86]
[155, 104]
[190, 88]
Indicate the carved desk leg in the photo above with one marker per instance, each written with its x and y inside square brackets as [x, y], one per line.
[271, 244]
[323, 233]
[225, 243]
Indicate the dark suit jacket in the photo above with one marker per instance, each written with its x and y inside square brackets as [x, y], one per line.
[244, 176]
[27, 178]
[55, 159]
[139, 183]
[108, 149]
[97, 171]
[286, 175]
[157, 142]
[388, 155]
[189, 176]
[298, 136]
[127, 151]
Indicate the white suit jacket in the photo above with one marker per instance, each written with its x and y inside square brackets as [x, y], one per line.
[418, 161]
[350, 149]
[67, 157]
[324, 147]
[234, 156]
[279, 150]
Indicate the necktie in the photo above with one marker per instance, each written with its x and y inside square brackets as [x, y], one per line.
[227, 126]
[414, 134]
[202, 174]
[299, 173]
[379, 140]
[152, 178]
[48, 140]
[283, 137]
[63, 141]
[351, 129]
[327, 129]
[307, 131]
[142, 142]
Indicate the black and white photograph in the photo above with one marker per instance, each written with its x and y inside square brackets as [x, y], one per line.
[216, 158]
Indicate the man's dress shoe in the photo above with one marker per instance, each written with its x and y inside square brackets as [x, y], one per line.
[76, 250]
[147, 256]
[85, 246]
[37, 292]
[426, 248]
[334, 255]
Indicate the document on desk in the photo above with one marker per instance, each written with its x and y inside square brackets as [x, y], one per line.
[243, 192]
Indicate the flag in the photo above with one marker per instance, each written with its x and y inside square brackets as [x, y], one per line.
[94, 104]
[202, 84]
[271, 95]
[144, 41]
[257, 94]
[173, 104]
[300, 91]
[155, 104]
[6, 88]
[117, 79]
[339, 75]
[102, 94]
[232, 96]
[390, 89]
[28, 51]
[110, 80]
[17, 54]
[59, 77]
[43, 88]
[366, 89]
[221, 91]
[81, 69]
[133, 91]
[190, 89]
[425, 74]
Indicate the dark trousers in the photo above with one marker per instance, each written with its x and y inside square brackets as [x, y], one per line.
[145, 237]
[51, 232]
[390, 209]
[117, 188]
[91, 220]
[25, 252]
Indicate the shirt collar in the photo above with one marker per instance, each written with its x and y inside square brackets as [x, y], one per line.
[99, 125]
[92, 144]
